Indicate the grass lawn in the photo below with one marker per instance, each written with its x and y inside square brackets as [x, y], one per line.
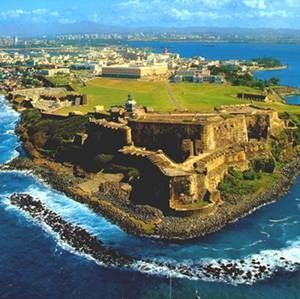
[281, 107]
[63, 79]
[250, 188]
[194, 97]
[204, 97]
[109, 92]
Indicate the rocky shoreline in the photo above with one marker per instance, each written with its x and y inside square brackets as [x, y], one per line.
[144, 220]
[230, 213]
[262, 69]
[73, 235]
[235, 271]
[167, 228]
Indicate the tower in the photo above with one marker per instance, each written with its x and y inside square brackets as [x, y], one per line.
[130, 104]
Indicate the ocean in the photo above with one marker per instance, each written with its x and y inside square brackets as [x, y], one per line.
[34, 263]
[288, 54]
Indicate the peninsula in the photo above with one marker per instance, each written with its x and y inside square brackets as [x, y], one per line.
[167, 175]
[180, 169]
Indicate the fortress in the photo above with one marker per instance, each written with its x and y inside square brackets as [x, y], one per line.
[47, 99]
[182, 157]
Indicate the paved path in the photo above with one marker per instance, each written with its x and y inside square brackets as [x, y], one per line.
[172, 97]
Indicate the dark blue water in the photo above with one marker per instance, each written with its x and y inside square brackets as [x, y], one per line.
[288, 54]
[35, 264]
[293, 100]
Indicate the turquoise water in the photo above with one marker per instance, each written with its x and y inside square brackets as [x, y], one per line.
[34, 263]
[293, 100]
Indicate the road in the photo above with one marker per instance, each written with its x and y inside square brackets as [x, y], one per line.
[172, 97]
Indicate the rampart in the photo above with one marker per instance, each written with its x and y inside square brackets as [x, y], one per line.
[264, 125]
[182, 158]
[107, 137]
[187, 186]
[183, 139]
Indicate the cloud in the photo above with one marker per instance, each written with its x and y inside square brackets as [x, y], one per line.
[190, 15]
[37, 15]
[258, 4]
[179, 13]
[237, 13]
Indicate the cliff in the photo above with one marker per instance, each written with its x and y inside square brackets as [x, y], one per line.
[154, 195]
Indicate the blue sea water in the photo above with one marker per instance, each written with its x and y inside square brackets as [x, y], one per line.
[288, 54]
[34, 263]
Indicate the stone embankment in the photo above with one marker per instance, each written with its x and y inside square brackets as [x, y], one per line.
[84, 242]
[232, 209]
[150, 222]
[73, 235]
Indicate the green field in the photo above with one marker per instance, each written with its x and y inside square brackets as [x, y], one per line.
[109, 92]
[204, 97]
[194, 97]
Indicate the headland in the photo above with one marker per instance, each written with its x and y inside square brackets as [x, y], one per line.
[216, 144]
[173, 176]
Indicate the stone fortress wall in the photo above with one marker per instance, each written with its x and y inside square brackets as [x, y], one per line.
[106, 136]
[186, 157]
[47, 99]
[182, 139]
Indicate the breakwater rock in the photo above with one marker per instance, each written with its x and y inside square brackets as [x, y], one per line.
[168, 228]
[249, 270]
[73, 235]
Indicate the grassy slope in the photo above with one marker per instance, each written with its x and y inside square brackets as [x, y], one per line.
[196, 97]
[60, 79]
[108, 92]
[281, 107]
[204, 97]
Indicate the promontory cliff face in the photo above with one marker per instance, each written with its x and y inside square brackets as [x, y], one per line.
[176, 176]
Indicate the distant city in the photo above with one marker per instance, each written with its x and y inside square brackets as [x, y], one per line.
[73, 34]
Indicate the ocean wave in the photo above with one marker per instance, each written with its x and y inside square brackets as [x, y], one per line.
[15, 154]
[280, 220]
[72, 211]
[249, 270]
[10, 132]
[9, 119]
[255, 243]
[28, 173]
[266, 234]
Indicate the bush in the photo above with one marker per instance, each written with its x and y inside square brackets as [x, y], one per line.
[250, 175]
[69, 152]
[264, 165]
[39, 139]
[53, 136]
[236, 187]
[235, 173]
[270, 165]
[54, 142]
[129, 173]
[101, 161]
[31, 116]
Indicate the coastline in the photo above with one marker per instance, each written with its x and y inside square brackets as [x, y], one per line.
[168, 228]
[262, 69]
[146, 221]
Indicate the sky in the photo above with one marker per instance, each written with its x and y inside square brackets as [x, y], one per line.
[161, 13]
